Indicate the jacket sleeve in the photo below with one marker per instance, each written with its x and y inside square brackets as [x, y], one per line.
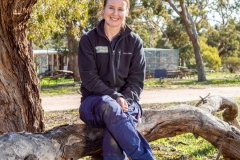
[88, 70]
[135, 80]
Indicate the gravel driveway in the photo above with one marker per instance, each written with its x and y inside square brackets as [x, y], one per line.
[65, 102]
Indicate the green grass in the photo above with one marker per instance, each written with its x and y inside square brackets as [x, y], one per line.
[218, 79]
[184, 146]
[58, 86]
[46, 82]
[221, 75]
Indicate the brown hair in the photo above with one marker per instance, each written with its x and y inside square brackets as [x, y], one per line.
[127, 1]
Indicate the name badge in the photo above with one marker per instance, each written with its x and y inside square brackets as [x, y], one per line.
[101, 49]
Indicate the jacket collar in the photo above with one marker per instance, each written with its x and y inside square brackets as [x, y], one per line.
[100, 29]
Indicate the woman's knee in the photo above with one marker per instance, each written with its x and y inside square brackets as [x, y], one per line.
[110, 110]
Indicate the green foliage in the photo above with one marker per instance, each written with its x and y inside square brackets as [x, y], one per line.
[210, 56]
[144, 20]
[176, 33]
[156, 6]
[52, 17]
[232, 64]
[225, 38]
[43, 21]
[225, 35]
[186, 55]
[94, 14]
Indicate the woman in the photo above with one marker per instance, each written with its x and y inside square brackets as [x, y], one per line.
[112, 65]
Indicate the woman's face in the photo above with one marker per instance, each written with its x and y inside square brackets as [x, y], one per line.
[115, 12]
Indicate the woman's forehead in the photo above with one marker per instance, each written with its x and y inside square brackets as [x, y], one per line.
[119, 3]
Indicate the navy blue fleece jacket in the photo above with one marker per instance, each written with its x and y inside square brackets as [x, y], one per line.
[107, 71]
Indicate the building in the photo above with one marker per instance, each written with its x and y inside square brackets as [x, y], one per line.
[159, 61]
[49, 60]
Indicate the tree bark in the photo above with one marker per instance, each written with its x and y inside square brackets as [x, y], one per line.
[79, 140]
[73, 51]
[20, 101]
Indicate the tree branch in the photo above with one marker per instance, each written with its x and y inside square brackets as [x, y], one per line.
[173, 6]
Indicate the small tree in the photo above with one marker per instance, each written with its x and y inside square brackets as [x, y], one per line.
[210, 55]
[232, 64]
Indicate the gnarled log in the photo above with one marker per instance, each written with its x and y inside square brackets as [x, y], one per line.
[76, 141]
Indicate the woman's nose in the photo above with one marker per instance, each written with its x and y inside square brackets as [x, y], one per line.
[115, 12]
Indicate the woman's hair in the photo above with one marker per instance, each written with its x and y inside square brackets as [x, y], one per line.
[127, 1]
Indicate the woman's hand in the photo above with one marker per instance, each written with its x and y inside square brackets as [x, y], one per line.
[123, 103]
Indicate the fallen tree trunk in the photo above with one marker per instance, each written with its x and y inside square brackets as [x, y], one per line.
[76, 141]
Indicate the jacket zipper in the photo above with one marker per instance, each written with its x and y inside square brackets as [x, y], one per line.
[118, 64]
[119, 58]
[114, 73]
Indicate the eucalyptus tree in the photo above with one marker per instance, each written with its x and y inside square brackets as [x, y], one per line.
[20, 101]
[178, 38]
[225, 35]
[60, 17]
[183, 11]
[226, 38]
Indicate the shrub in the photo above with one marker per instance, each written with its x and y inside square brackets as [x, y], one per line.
[232, 64]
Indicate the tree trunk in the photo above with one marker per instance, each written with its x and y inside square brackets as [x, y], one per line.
[20, 101]
[76, 141]
[73, 52]
[192, 33]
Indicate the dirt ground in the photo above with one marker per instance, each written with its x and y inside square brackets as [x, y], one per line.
[65, 102]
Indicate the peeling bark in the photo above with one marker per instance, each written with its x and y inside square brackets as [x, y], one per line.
[79, 140]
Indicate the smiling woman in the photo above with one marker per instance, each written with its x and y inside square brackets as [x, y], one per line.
[114, 14]
[112, 63]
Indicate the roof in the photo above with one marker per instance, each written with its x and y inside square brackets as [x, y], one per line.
[45, 51]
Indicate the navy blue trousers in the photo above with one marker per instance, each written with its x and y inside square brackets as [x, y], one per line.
[121, 138]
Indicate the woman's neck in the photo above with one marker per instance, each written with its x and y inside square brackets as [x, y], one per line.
[111, 32]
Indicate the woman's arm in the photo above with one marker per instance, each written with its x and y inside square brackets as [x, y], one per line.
[135, 80]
